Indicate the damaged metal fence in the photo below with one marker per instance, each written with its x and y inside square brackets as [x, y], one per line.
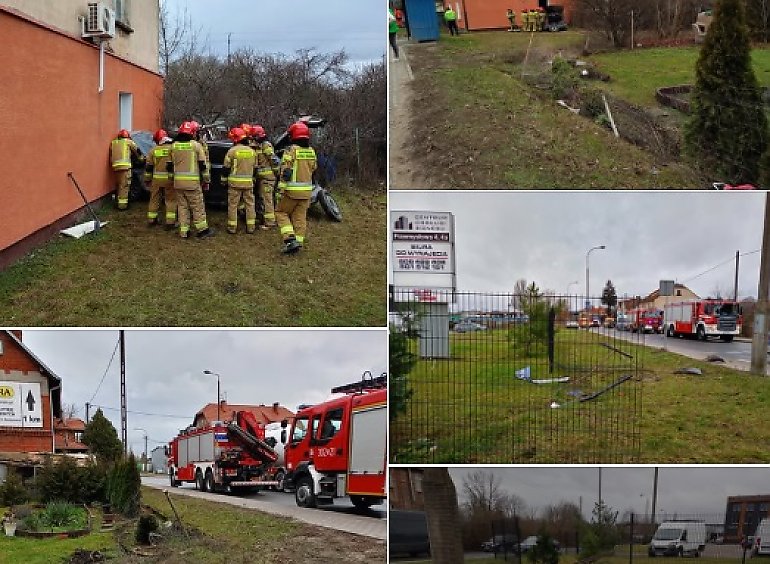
[507, 378]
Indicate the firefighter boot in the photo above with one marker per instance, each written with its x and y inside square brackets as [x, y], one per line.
[291, 246]
[208, 232]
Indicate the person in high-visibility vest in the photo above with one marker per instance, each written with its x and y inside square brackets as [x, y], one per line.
[160, 180]
[191, 177]
[450, 17]
[393, 32]
[511, 15]
[267, 169]
[122, 151]
[238, 173]
[525, 20]
[296, 186]
[540, 21]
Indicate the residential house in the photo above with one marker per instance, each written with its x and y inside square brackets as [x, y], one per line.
[262, 413]
[491, 14]
[61, 105]
[654, 300]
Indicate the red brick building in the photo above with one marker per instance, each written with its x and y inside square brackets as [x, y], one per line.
[491, 14]
[262, 413]
[53, 90]
[69, 436]
[406, 489]
[30, 404]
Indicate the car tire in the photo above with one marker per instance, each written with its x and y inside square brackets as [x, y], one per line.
[304, 494]
[726, 338]
[210, 485]
[330, 206]
[700, 333]
[200, 483]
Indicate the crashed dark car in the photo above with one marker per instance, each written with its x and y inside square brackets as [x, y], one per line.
[216, 195]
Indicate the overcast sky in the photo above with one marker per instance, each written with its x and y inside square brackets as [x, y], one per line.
[286, 26]
[544, 236]
[680, 489]
[164, 370]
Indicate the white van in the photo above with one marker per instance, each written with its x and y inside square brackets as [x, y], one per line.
[679, 538]
[762, 537]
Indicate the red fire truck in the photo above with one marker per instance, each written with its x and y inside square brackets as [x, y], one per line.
[223, 456]
[704, 319]
[645, 320]
[338, 448]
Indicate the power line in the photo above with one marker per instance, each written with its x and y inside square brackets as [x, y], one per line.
[731, 259]
[144, 412]
[105, 371]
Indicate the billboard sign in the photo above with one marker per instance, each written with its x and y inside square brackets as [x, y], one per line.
[21, 405]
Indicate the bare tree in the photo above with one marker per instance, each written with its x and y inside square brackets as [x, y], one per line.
[482, 491]
[69, 410]
[174, 35]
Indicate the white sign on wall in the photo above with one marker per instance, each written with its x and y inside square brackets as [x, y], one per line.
[422, 249]
[20, 405]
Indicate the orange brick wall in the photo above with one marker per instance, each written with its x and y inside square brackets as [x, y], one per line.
[12, 439]
[53, 120]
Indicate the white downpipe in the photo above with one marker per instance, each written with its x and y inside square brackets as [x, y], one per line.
[101, 67]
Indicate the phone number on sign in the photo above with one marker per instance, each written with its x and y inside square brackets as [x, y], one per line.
[414, 264]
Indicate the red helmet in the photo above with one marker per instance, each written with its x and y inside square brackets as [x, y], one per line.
[237, 134]
[299, 130]
[258, 131]
[124, 133]
[159, 135]
[187, 128]
[195, 127]
[245, 127]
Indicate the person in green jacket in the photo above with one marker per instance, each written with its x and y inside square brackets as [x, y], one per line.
[450, 17]
[393, 31]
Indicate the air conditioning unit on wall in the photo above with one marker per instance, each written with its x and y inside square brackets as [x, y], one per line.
[99, 21]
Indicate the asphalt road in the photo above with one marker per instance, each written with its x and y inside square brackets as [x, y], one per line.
[736, 354]
[341, 515]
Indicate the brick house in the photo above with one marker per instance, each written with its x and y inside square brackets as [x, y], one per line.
[742, 515]
[69, 436]
[51, 91]
[262, 413]
[406, 489]
[654, 300]
[30, 403]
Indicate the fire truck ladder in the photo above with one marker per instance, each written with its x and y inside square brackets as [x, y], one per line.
[367, 382]
[258, 448]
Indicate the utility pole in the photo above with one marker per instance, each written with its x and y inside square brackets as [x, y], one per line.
[229, 35]
[88, 412]
[654, 495]
[123, 410]
[759, 339]
[735, 286]
[600, 485]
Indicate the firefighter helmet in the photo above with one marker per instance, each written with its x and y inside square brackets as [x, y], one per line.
[299, 130]
[159, 135]
[187, 128]
[258, 131]
[237, 134]
[195, 126]
[124, 134]
[246, 129]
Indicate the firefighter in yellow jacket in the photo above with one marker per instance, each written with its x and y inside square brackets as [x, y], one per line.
[122, 150]
[267, 167]
[238, 172]
[160, 181]
[191, 177]
[296, 186]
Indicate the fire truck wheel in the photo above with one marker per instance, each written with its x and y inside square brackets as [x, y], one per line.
[280, 476]
[210, 481]
[361, 502]
[726, 338]
[670, 331]
[304, 494]
[199, 481]
[701, 333]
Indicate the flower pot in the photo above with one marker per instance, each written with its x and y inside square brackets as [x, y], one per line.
[10, 529]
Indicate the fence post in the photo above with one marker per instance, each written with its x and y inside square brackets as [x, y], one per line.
[631, 542]
[358, 153]
[551, 334]
[518, 536]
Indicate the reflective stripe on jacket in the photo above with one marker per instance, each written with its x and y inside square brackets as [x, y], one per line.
[302, 162]
[241, 160]
[120, 153]
[185, 156]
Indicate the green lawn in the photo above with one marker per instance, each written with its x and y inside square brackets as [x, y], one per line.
[472, 409]
[481, 125]
[132, 275]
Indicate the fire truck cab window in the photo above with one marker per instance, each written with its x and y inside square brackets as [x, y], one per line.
[315, 425]
[332, 423]
[300, 430]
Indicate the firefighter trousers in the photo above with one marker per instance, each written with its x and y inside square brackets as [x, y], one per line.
[162, 190]
[123, 180]
[190, 202]
[291, 215]
[266, 188]
[234, 198]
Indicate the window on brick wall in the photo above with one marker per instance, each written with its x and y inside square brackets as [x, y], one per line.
[122, 14]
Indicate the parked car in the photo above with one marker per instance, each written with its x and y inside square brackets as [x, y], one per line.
[572, 324]
[596, 322]
[622, 322]
[408, 533]
[761, 543]
[609, 322]
[500, 543]
[529, 543]
[468, 327]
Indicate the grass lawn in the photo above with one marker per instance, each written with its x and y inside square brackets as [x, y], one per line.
[481, 126]
[472, 409]
[132, 275]
[637, 74]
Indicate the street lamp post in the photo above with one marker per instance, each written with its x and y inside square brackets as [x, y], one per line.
[588, 289]
[219, 396]
[144, 464]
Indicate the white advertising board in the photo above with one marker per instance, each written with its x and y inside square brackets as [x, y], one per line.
[422, 250]
[20, 405]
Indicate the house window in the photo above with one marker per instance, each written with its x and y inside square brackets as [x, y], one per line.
[121, 11]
